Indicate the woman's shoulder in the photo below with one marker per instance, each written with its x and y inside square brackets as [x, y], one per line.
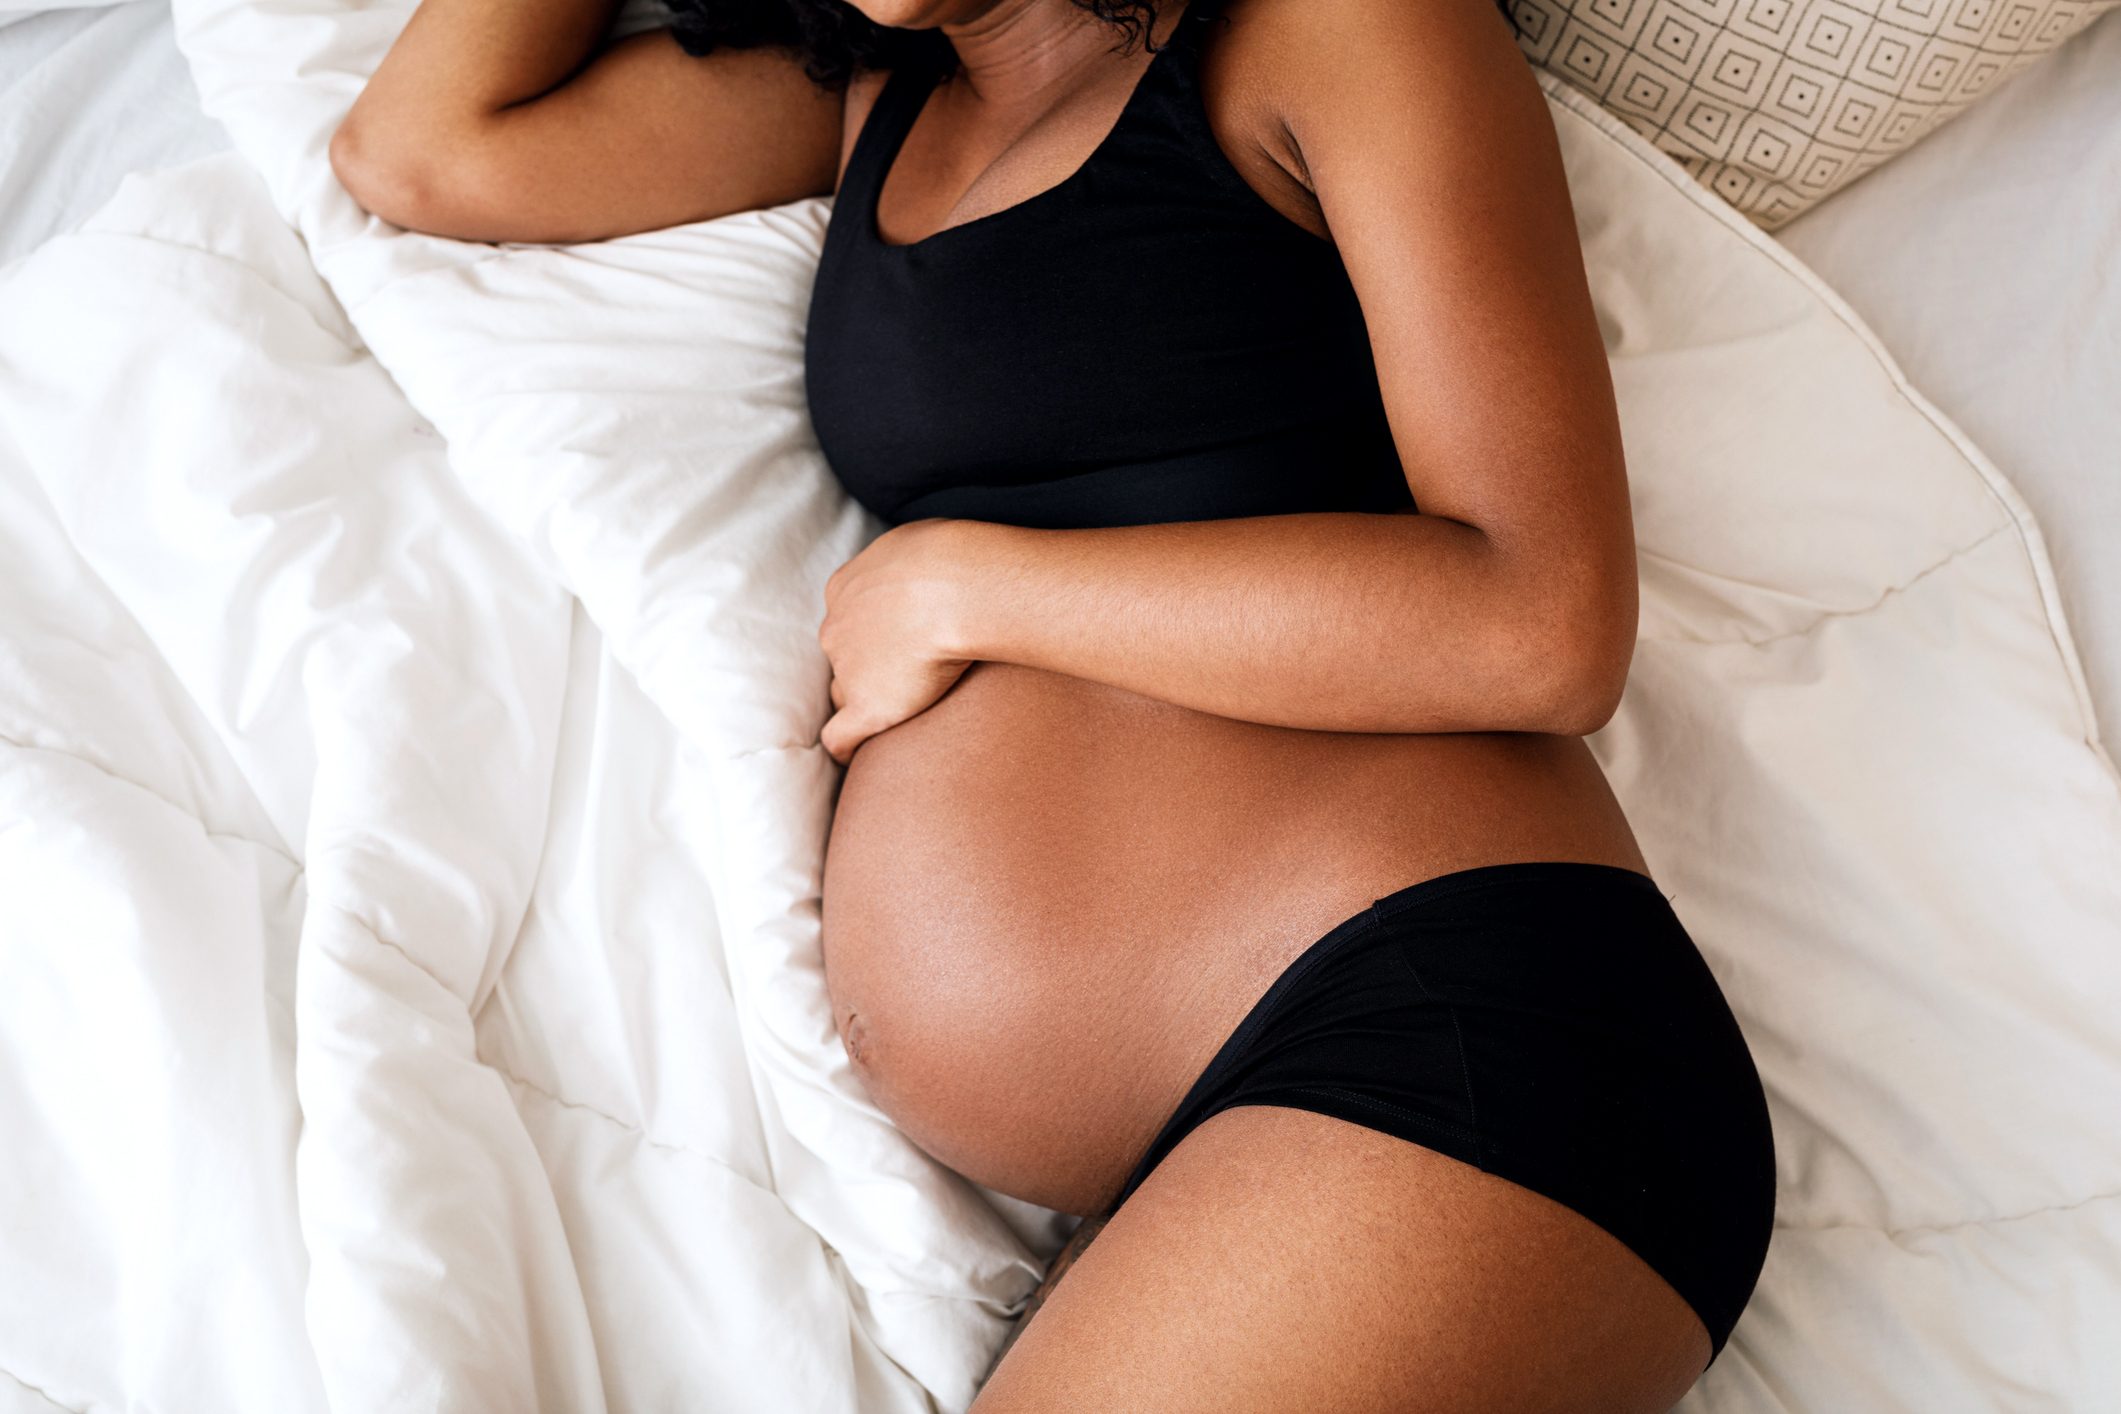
[1289, 54]
[1285, 80]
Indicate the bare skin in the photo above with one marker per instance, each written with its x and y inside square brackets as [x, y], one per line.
[1103, 785]
[1283, 1260]
[1078, 1242]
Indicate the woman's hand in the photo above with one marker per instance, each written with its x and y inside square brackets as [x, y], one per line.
[893, 616]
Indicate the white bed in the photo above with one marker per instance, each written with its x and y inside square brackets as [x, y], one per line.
[1986, 259]
[87, 95]
[413, 1003]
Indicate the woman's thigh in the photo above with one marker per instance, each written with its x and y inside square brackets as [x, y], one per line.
[1279, 1259]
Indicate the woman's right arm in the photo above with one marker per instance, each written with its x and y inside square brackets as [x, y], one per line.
[490, 120]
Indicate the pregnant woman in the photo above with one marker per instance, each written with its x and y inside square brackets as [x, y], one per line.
[1218, 857]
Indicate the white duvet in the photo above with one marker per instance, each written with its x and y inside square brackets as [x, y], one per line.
[411, 819]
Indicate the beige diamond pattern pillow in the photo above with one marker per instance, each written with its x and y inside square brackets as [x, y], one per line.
[1774, 104]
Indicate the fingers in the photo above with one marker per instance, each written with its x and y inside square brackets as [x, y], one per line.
[839, 698]
[840, 737]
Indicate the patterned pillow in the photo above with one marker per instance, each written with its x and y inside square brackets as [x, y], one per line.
[1774, 104]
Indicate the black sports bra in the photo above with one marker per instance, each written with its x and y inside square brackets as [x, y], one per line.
[1150, 340]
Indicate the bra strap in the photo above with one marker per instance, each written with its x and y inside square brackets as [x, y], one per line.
[884, 129]
[1192, 26]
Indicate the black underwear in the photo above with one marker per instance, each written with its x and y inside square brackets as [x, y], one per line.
[1551, 1023]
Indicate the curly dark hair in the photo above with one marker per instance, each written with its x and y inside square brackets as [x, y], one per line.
[836, 40]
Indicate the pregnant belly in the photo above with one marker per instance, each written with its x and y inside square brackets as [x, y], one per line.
[1047, 901]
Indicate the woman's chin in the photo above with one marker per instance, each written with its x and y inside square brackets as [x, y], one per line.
[927, 14]
[921, 14]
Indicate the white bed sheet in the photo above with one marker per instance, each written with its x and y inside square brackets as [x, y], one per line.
[1988, 260]
[88, 95]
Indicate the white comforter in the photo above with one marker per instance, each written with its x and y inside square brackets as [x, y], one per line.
[410, 819]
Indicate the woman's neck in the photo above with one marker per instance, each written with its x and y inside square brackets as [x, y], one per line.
[1018, 51]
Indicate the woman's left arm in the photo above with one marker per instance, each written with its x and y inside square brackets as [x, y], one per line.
[1509, 602]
